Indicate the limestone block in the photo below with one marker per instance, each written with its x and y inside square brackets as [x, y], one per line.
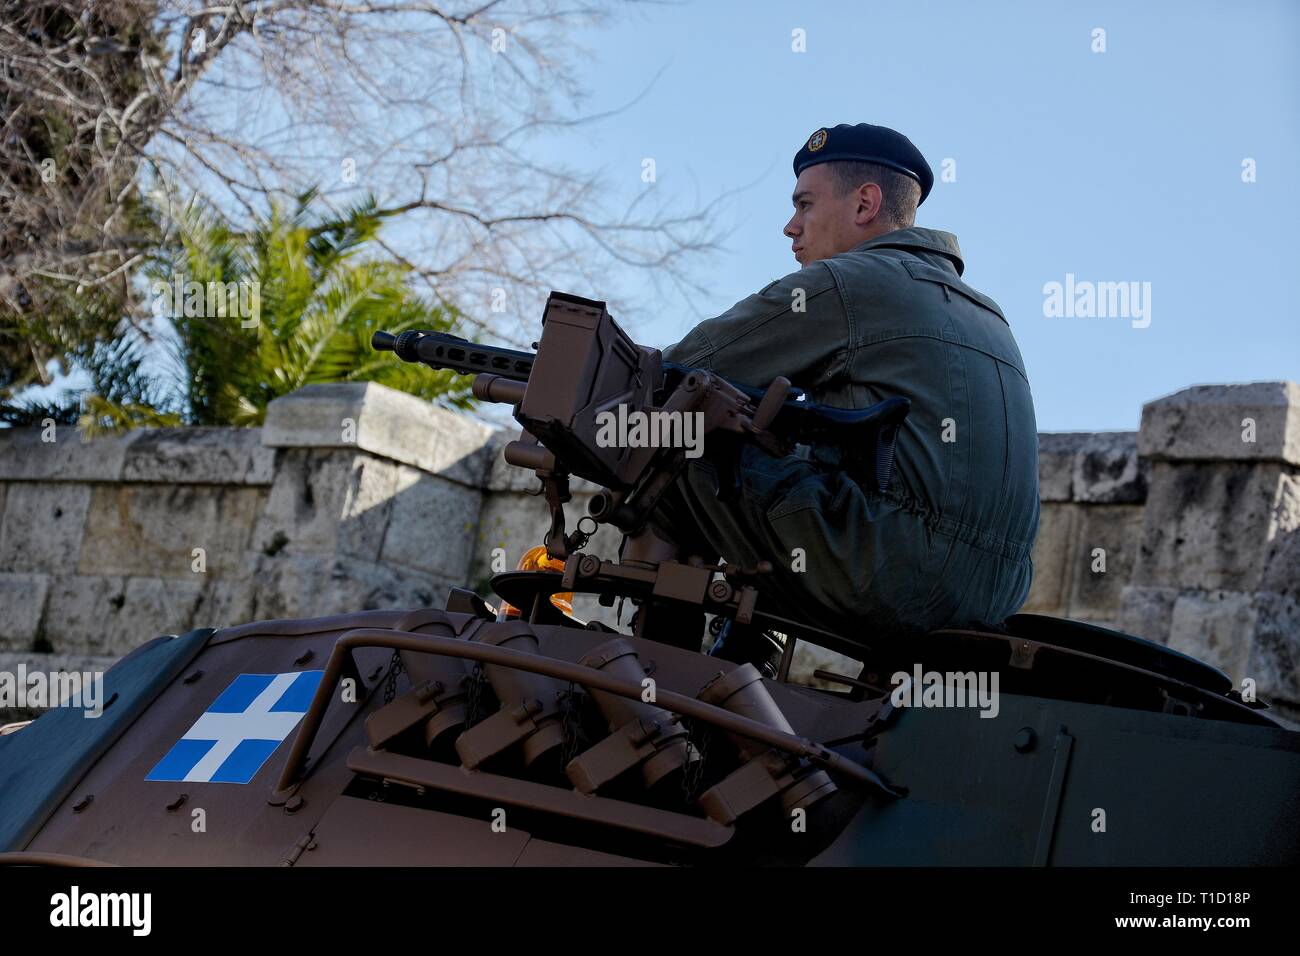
[1054, 558]
[150, 606]
[1274, 655]
[1205, 423]
[1207, 524]
[43, 526]
[1056, 465]
[433, 524]
[22, 601]
[364, 416]
[367, 507]
[219, 456]
[1107, 470]
[1098, 578]
[1100, 467]
[154, 530]
[226, 601]
[290, 586]
[26, 456]
[1282, 553]
[1147, 612]
[109, 614]
[79, 612]
[328, 502]
[1216, 627]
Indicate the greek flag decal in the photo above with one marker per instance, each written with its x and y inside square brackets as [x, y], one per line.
[236, 735]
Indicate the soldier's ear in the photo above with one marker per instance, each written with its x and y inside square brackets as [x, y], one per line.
[869, 200]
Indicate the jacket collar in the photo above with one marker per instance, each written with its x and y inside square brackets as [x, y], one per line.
[916, 239]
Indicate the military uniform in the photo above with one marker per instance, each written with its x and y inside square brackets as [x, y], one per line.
[948, 541]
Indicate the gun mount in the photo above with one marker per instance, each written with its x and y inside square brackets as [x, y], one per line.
[586, 368]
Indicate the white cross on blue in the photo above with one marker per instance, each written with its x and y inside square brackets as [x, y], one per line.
[236, 735]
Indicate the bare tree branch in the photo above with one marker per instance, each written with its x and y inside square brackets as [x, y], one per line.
[432, 107]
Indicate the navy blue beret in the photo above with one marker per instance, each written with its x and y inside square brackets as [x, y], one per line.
[868, 144]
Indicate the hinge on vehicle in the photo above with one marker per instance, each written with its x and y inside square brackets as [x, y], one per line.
[1179, 706]
[303, 843]
[1052, 801]
[1022, 654]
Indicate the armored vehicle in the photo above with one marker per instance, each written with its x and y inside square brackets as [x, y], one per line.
[502, 730]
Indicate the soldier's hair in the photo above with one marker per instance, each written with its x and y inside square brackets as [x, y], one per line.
[899, 194]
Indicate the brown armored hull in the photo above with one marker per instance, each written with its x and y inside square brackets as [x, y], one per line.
[442, 738]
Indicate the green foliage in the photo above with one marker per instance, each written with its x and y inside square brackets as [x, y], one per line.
[312, 296]
[111, 365]
[66, 244]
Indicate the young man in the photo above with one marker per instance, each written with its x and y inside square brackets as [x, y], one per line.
[877, 309]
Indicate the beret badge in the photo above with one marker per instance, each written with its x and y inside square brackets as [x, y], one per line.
[816, 141]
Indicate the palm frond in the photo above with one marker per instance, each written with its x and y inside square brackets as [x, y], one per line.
[323, 288]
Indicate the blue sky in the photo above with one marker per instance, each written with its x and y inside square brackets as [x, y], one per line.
[1117, 166]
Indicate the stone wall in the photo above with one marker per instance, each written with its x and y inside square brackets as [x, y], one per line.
[1217, 573]
[356, 496]
[1093, 489]
[351, 496]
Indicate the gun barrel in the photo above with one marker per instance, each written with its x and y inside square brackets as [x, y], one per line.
[490, 387]
[439, 350]
[442, 350]
[403, 343]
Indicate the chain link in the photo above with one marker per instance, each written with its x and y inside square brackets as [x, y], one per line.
[578, 540]
[693, 774]
[473, 695]
[574, 740]
[395, 667]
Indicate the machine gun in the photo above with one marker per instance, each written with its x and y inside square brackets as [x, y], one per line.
[586, 369]
[585, 373]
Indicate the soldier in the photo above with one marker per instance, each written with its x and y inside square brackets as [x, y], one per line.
[878, 309]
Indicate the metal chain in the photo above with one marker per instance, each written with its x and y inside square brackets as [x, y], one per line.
[473, 695]
[574, 740]
[694, 771]
[395, 667]
[578, 540]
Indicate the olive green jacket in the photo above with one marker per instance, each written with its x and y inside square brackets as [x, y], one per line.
[948, 543]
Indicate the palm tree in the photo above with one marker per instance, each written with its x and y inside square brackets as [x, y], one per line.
[311, 294]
